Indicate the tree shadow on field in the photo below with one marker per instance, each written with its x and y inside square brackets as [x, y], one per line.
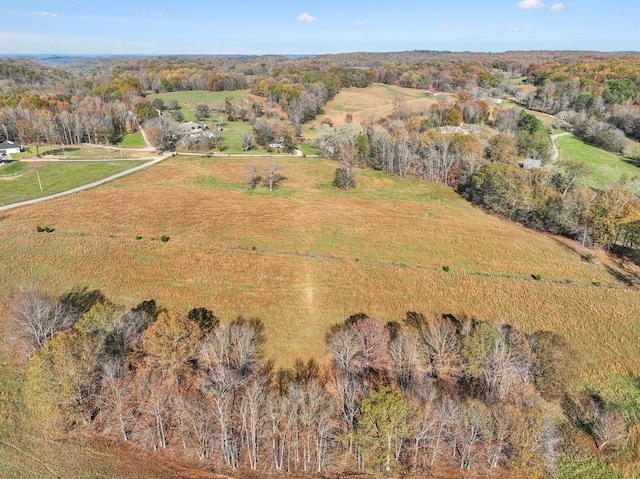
[624, 276]
[61, 151]
[82, 299]
[572, 249]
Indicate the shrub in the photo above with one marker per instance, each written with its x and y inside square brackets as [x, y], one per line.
[445, 268]
[39, 229]
[345, 178]
[138, 237]
[537, 276]
[164, 238]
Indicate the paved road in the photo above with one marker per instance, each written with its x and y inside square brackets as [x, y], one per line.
[90, 185]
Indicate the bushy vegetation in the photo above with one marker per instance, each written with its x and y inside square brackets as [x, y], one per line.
[420, 397]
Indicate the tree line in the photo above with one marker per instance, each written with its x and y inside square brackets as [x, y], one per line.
[595, 93]
[419, 396]
[488, 170]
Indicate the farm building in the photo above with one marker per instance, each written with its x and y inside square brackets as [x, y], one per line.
[193, 126]
[431, 92]
[9, 147]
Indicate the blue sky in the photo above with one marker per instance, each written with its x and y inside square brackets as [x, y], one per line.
[315, 27]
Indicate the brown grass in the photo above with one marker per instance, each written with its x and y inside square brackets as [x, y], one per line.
[308, 255]
[85, 455]
[375, 101]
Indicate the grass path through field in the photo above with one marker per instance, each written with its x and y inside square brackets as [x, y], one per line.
[32, 458]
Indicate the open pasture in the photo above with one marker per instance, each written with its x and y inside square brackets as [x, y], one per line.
[308, 255]
[375, 101]
[606, 168]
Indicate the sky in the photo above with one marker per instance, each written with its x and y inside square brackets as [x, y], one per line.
[256, 27]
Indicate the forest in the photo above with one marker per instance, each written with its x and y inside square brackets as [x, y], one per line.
[417, 396]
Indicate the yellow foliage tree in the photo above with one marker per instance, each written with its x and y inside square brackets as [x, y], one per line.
[171, 340]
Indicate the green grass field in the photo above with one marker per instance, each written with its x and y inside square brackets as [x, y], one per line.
[188, 100]
[132, 140]
[82, 152]
[55, 177]
[606, 167]
[14, 168]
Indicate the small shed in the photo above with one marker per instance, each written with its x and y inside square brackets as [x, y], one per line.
[531, 164]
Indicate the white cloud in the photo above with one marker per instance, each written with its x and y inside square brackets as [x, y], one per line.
[45, 14]
[530, 4]
[156, 14]
[359, 23]
[447, 25]
[557, 7]
[512, 30]
[305, 17]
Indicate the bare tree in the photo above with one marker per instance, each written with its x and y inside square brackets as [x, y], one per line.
[203, 111]
[34, 318]
[509, 366]
[345, 176]
[609, 428]
[160, 133]
[375, 344]
[409, 364]
[444, 349]
[156, 399]
[253, 176]
[273, 178]
[253, 421]
[281, 415]
[116, 396]
[248, 140]
[475, 426]
[228, 356]
[196, 423]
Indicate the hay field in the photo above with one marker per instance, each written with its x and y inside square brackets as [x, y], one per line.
[375, 101]
[308, 255]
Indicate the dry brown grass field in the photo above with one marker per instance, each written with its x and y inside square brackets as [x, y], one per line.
[308, 255]
[375, 101]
